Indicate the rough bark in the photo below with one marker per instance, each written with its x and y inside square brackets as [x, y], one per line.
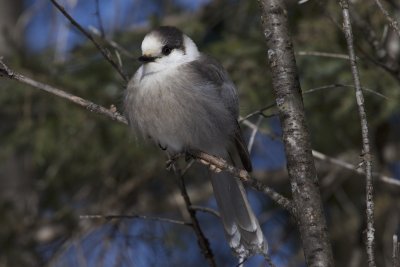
[302, 173]
[366, 153]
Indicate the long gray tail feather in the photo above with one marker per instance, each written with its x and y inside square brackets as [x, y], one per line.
[241, 226]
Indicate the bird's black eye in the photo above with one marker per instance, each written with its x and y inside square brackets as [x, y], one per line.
[166, 50]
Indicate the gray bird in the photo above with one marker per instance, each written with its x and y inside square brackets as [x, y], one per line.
[183, 99]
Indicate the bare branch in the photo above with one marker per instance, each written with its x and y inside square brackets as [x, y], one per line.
[116, 116]
[257, 112]
[112, 43]
[133, 216]
[103, 51]
[110, 113]
[206, 209]
[332, 160]
[253, 134]
[392, 22]
[370, 244]
[244, 176]
[322, 54]
[312, 90]
[201, 239]
[339, 85]
[354, 168]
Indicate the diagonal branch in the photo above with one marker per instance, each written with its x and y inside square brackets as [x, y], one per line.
[244, 176]
[354, 168]
[133, 216]
[322, 54]
[102, 50]
[346, 165]
[392, 22]
[366, 154]
[110, 113]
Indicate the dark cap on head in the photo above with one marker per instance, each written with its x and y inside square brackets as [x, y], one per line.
[171, 36]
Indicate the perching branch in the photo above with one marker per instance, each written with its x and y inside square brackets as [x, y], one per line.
[102, 50]
[244, 176]
[366, 154]
[113, 114]
[302, 173]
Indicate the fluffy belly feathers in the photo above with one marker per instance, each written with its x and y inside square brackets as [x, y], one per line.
[179, 115]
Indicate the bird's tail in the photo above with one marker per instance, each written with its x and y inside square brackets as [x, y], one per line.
[242, 229]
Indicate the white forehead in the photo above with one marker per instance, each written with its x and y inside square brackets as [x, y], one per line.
[151, 44]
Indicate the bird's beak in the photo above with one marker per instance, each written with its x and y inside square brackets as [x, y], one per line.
[146, 58]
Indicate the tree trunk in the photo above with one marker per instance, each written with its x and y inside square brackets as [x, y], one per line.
[300, 164]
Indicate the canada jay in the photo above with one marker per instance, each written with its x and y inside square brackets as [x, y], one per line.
[183, 99]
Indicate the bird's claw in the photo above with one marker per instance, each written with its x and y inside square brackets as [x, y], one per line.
[170, 162]
[212, 167]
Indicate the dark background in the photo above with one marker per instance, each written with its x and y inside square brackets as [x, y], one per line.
[59, 161]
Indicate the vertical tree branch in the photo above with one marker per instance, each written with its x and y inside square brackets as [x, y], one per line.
[370, 242]
[302, 173]
[201, 239]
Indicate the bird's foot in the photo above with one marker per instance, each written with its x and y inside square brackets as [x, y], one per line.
[171, 161]
[212, 167]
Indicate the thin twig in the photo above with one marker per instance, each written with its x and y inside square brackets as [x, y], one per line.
[339, 85]
[112, 43]
[207, 210]
[322, 54]
[253, 134]
[102, 50]
[392, 22]
[354, 168]
[384, 64]
[201, 238]
[133, 216]
[370, 242]
[338, 162]
[332, 160]
[257, 112]
[312, 90]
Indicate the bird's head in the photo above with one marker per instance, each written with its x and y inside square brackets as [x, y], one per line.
[167, 46]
